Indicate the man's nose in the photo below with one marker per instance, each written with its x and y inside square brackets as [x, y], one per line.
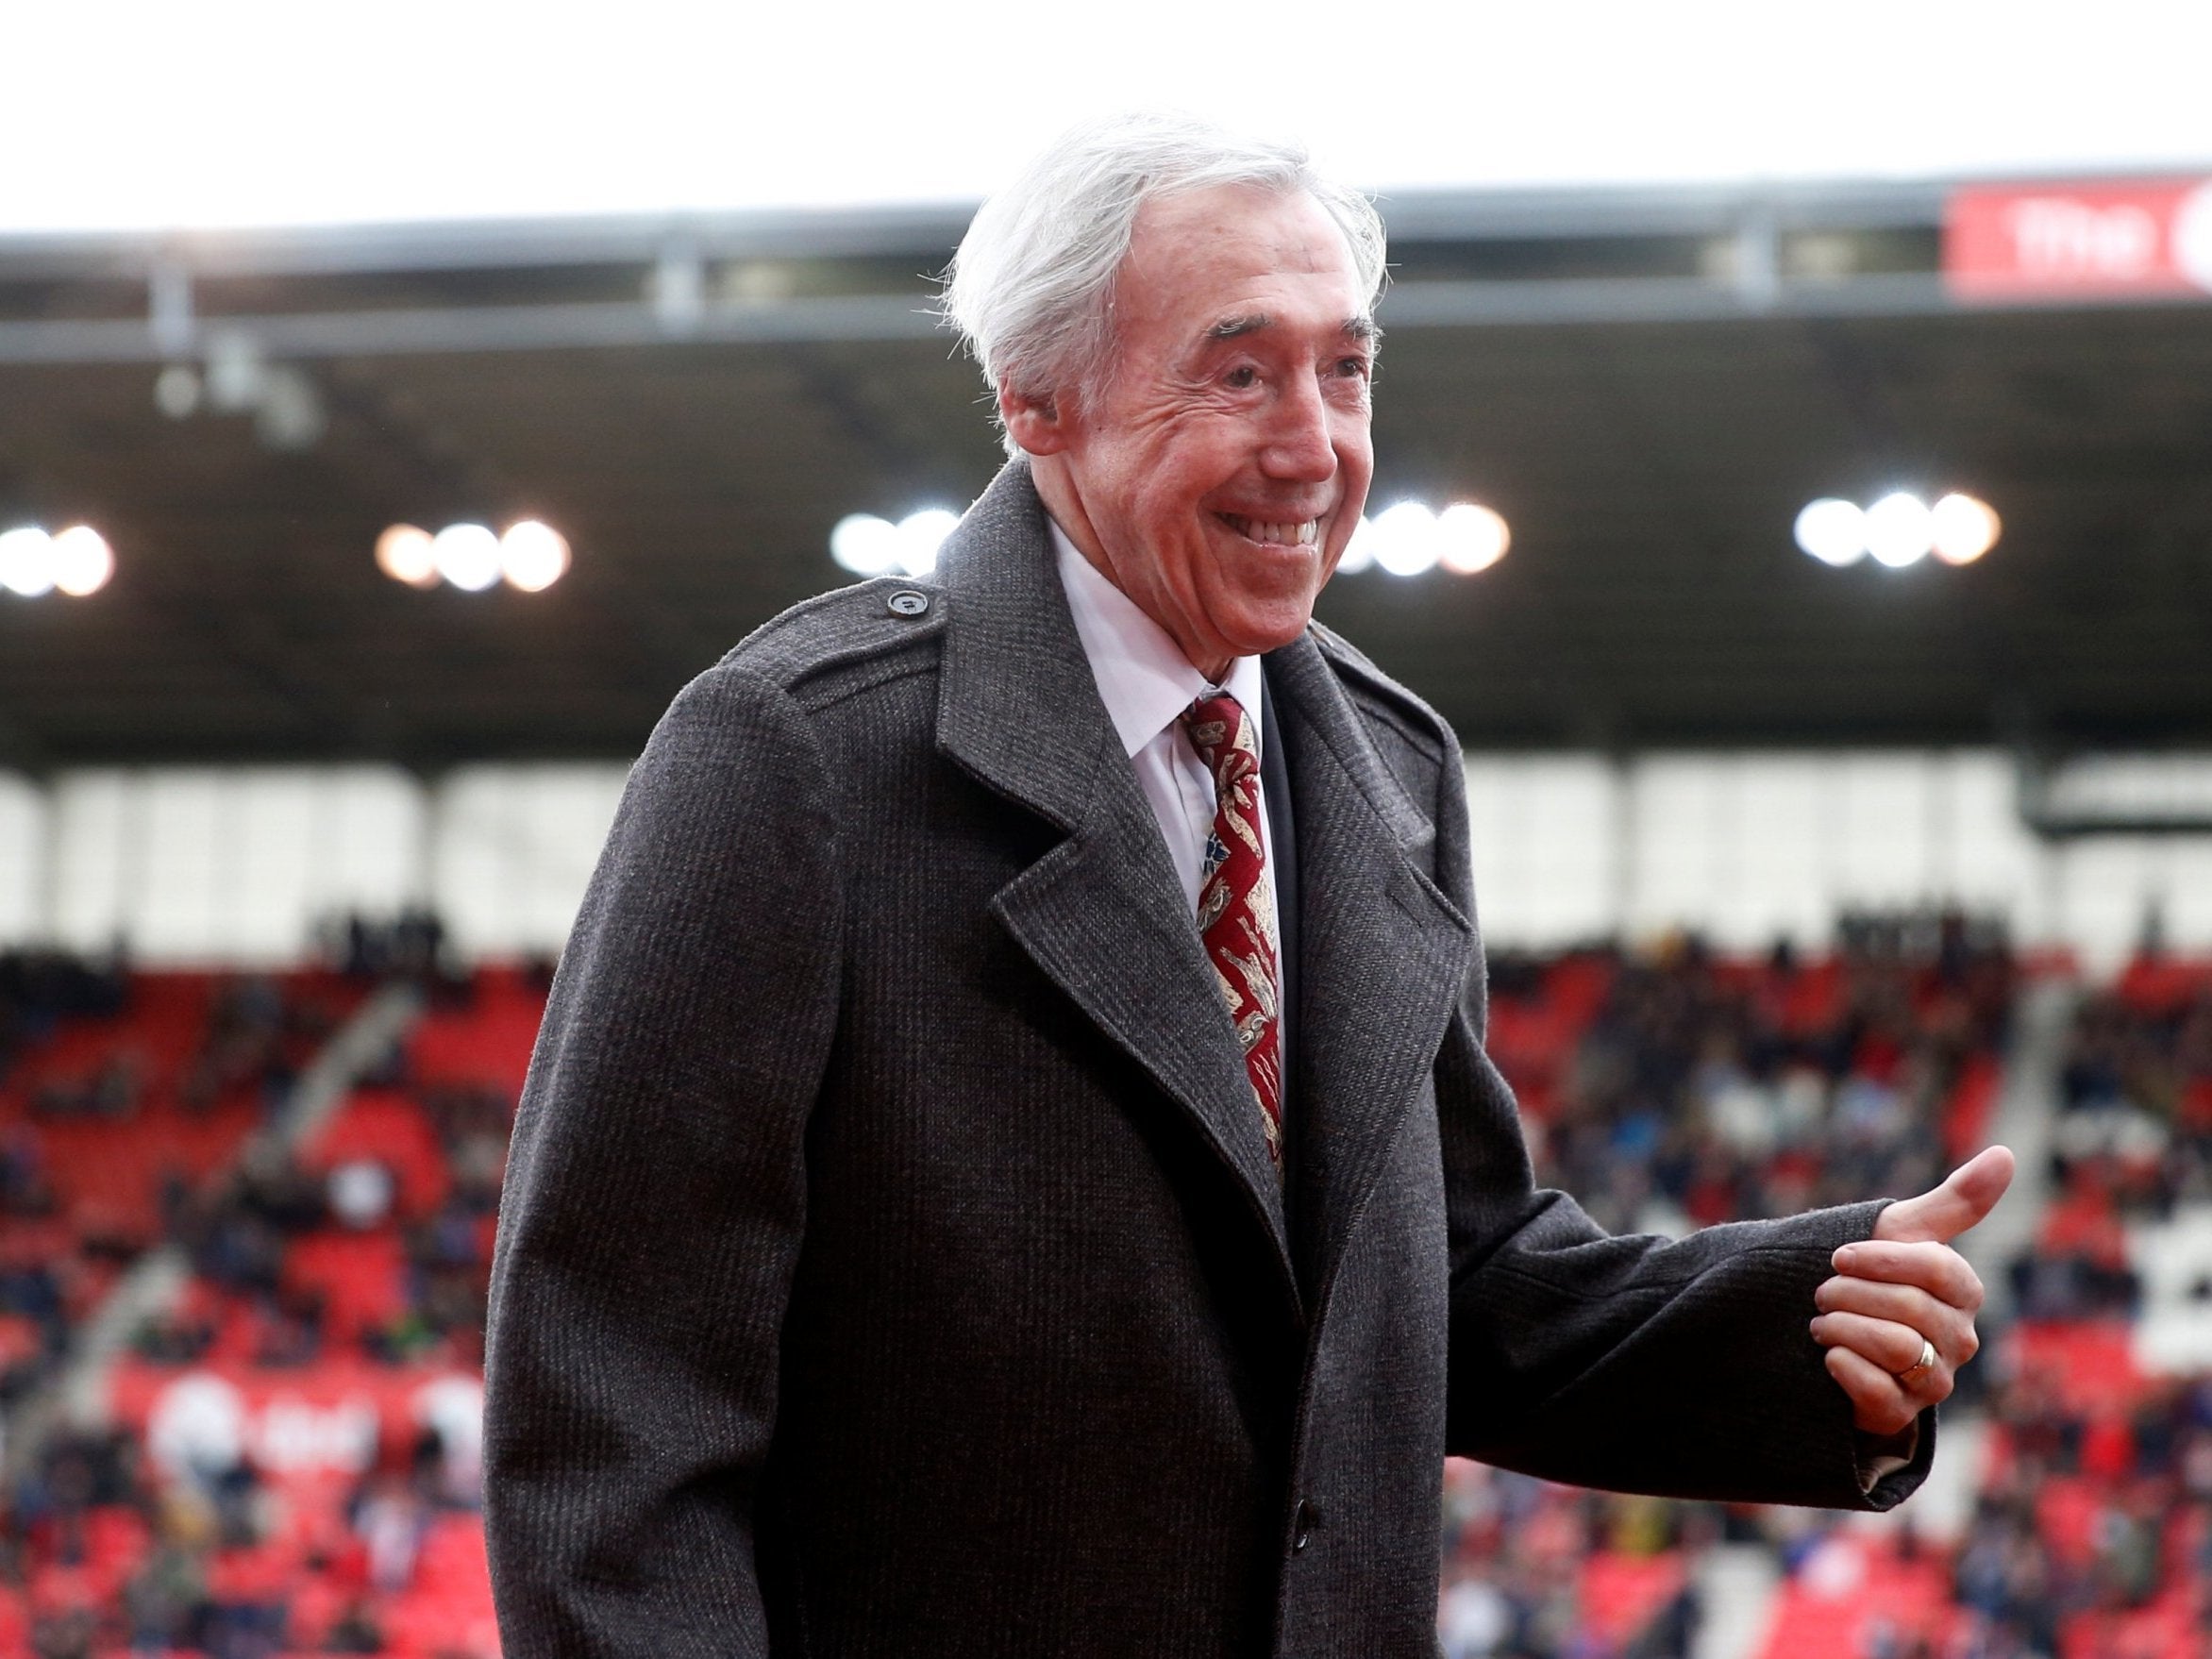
[1299, 441]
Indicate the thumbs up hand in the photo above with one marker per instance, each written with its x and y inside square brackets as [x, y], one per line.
[1905, 1295]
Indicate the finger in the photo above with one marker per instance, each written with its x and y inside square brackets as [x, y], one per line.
[1971, 1192]
[1879, 1406]
[1895, 1347]
[1950, 1329]
[1935, 1268]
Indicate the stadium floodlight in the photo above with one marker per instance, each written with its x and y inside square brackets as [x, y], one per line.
[1833, 531]
[467, 555]
[405, 554]
[865, 544]
[1405, 538]
[81, 559]
[1470, 538]
[1899, 530]
[177, 391]
[532, 556]
[1964, 528]
[920, 534]
[1358, 553]
[26, 562]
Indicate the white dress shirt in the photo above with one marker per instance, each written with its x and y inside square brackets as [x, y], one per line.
[1146, 683]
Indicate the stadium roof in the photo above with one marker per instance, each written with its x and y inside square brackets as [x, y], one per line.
[1648, 384]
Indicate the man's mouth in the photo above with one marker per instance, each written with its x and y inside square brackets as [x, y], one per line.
[1280, 533]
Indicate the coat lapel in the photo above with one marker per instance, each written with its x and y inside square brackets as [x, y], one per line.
[1101, 914]
[1383, 957]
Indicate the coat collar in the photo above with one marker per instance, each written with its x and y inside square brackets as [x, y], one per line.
[1383, 953]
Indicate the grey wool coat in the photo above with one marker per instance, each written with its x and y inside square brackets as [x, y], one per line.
[891, 1263]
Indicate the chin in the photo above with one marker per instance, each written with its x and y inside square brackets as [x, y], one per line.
[1268, 628]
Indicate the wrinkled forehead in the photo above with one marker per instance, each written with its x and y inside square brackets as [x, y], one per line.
[1232, 259]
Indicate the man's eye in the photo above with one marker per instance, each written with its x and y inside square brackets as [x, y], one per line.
[1358, 367]
[1241, 378]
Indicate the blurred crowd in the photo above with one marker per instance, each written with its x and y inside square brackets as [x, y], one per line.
[1666, 1089]
[2088, 1514]
[112, 1541]
[1705, 1089]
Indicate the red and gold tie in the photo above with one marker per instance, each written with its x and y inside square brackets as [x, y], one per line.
[1236, 910]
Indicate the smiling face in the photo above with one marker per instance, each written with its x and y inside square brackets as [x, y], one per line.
[1217, 474]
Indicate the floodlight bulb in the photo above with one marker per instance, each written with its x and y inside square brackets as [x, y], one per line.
[405, 554]
[467, 556]
[865, 544]
[1471, 537]
[1899, 530]
[532, 556]
[920, 534]
[82, 561]
[177, 391]
[1833, 531]
[26, 562]
[1405, 539]
[1358, 553]
[1965, 528]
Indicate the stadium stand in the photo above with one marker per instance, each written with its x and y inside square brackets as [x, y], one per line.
[285, 1459]
[1676, 1090]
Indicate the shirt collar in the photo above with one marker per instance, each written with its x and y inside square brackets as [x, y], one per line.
[1143, 678]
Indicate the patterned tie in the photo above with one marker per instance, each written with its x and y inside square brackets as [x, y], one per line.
[1236, 912]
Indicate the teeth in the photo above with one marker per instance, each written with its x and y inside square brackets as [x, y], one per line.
[1303, 533]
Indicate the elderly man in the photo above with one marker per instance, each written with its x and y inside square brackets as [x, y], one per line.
[1011, 1165]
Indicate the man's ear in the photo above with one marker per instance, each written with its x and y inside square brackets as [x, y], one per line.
[1036, 422]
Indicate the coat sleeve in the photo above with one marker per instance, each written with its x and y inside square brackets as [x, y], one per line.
[655, 1196]
[1681, 1368]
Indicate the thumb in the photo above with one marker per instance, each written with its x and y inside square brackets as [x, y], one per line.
[1970, 1193]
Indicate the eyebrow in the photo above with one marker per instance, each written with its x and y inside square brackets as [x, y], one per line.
[1236, 327]
[1357, 328]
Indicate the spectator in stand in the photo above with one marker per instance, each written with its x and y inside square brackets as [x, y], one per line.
[38, 988]
[390, 1517]
[165, 1602]
[410, 946]
[355, 1630]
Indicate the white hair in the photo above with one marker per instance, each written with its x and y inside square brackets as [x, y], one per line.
[1031, 289]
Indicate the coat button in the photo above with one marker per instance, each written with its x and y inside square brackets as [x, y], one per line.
[908, 602]
[1302, 1523]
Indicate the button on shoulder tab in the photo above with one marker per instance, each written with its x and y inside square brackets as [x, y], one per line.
[908, 602]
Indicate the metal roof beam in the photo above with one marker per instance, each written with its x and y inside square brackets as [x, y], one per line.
[173, 333]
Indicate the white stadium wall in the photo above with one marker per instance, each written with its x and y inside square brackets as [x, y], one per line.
[1746, 847]
[23, 859]
[510, 849]
[243, 864]
[1749, 847]
[224, 863]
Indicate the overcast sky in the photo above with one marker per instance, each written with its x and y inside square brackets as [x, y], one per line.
[227, 112]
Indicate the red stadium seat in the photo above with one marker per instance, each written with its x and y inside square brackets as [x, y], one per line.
[361, 1277]
[2090, 1362]
[1849, 1591]
[390, 1128]
[486, 1042]
[1622, 1594]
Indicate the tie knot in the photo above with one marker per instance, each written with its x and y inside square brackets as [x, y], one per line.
[1219, 731]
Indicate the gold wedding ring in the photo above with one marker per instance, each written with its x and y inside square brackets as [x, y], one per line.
[1913, 1373]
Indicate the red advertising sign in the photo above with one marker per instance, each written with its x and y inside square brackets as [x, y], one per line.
[2142, 239]
[318, 1422]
